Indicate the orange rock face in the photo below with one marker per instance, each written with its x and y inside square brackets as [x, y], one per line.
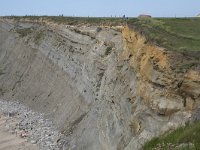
[161, 87]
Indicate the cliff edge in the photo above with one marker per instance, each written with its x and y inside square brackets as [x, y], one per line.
[104, 86]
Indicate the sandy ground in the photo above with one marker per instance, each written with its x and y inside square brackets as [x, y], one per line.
[12, 141]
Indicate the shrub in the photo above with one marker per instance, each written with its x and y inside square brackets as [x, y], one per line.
[108, 50]
[24, 32]
[1, 71]
[39, 36]
[98, 29]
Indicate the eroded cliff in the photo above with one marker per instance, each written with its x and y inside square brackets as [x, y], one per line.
[164, 87]
[105, 87]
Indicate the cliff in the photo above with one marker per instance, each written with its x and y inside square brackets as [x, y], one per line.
[105, 87]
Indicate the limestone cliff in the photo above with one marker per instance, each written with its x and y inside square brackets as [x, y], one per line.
[104, 87]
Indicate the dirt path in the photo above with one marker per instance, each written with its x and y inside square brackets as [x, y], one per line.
[12, 141]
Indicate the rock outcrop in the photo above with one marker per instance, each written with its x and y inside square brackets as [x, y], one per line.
[104, 87]
[163, 88]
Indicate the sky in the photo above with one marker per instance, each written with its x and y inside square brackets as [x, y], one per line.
[101, 8]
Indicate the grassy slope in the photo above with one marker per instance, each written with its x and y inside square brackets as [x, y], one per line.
[178, 34]
[187, 134]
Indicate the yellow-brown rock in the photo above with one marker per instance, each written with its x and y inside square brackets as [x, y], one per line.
[161, 87]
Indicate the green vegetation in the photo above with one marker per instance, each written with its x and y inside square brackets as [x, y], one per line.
[98, 29]
[1, 91]
[177, 34]
[74, 20]
[108, 50]
[183, 135]
[89, 20]
[188, 64]
[39, 37]
[24, 32]
[1, 71]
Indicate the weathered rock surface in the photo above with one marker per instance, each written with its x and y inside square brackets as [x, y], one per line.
[104, 89]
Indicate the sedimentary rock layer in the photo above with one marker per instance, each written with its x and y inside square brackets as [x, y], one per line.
[104, 87]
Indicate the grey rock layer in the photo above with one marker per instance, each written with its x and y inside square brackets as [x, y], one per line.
[30, 125]
[74, 75]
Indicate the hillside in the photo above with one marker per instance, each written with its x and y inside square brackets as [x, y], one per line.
[106, 83]
[177, 34]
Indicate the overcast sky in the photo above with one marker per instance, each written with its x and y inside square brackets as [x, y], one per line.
[104, 8]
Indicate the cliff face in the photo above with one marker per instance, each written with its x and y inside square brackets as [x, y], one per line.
[164, 88]
[104, 87]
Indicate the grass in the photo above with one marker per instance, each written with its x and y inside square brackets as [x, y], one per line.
[177, 34]
[87, 20]
[113, 21]
[39, 37]
[24, 32]
[188, 65]
[187, 134]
